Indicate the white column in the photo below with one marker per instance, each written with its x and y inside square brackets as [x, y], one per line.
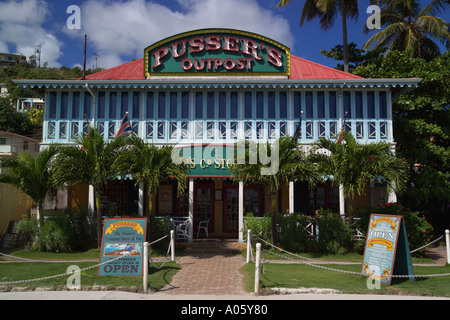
[291, 196]
[91, 198]
[241, 211]
[141, 200]
[191, 210]
[341, 201]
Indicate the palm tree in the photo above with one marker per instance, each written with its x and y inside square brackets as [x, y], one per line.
[151, 166]
[409, 28]
[91, 162]
[34, 175]
[288, 163]
[355, 165]
[326, 11]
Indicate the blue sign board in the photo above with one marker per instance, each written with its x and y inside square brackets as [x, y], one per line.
[387, 251]
[123, 241]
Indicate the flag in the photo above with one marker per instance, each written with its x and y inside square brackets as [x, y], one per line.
[124, 127]
[339, 140]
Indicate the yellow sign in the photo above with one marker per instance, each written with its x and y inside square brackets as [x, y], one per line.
[136, 226]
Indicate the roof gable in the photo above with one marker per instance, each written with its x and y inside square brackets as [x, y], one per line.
[301, 69]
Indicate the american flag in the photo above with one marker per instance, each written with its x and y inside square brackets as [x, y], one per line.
[124, 127]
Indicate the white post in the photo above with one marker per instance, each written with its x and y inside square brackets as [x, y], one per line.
[145, 275]
[447, 244]
[249, 244]
[172, 244]
[241, 211]
[341, 201]
[191, 211]
[141, 200]
[258, 257]
[291, 196]
[91, 199]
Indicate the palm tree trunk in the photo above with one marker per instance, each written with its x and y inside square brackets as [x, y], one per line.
[99, 217]
[344, 34]
[273, 220]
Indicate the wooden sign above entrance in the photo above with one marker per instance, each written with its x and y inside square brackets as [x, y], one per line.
[217, 52]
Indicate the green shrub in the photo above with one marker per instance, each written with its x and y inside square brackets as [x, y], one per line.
[259, 226]
[292, 232]
[335, 235]
[418, 230]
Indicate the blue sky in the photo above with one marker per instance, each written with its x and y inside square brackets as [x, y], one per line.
[119, 30]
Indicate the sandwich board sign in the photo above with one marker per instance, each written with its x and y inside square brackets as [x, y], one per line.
[386, 252]
[122, 238]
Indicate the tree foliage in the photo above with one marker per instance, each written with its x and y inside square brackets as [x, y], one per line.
[421, 125]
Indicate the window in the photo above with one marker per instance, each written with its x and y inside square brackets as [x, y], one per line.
[51, 130]
[64, 105]
[113, 105]
[234, 105]
[111, 130]
[161, 130]
[260, 105]
[101, 105]
[332, 104]
[309, 130]
[248, 105]
[271, 105]
[359, 130]
[322, 129]
[162, 105]
[76, 105]
[124, 104]
[297, 104]
[52, 104]
[324, 197]
[383, 104]
[199, 130]
[87, 105]
[371, 105]
[199, 105]
[272, 130]
[222, 105]
[210, 105]
[149, 133]
[185, 105]
[173, 105]
[259, 130]
[136, 105]
[347, 104]
[150, 105]
[309, 104]
[283, 105]
[63, 130]
[25, 145]
[321, 105]
[248, 130]
[75, 129]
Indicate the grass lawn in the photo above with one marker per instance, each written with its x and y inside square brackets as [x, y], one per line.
[304, 276]
[14, 271]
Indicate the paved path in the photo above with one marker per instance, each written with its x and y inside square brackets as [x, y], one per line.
[209, 268]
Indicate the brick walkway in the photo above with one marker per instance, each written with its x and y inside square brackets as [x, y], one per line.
[209, 268]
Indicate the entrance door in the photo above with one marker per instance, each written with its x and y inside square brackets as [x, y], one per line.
[231, 208]
[203, 205]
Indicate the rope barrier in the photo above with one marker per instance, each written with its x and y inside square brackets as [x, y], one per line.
[74, 261]
[337, 270]
[62, 274]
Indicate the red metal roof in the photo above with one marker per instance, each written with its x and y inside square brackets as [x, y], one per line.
[301, 69]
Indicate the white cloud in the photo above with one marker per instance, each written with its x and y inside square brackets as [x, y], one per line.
[120, 30]
[21, 28]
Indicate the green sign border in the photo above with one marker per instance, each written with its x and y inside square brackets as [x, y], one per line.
[123, 235]
[395, 259]
[285, 51]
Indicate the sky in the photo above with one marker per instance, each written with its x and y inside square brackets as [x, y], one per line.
[119, 30]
